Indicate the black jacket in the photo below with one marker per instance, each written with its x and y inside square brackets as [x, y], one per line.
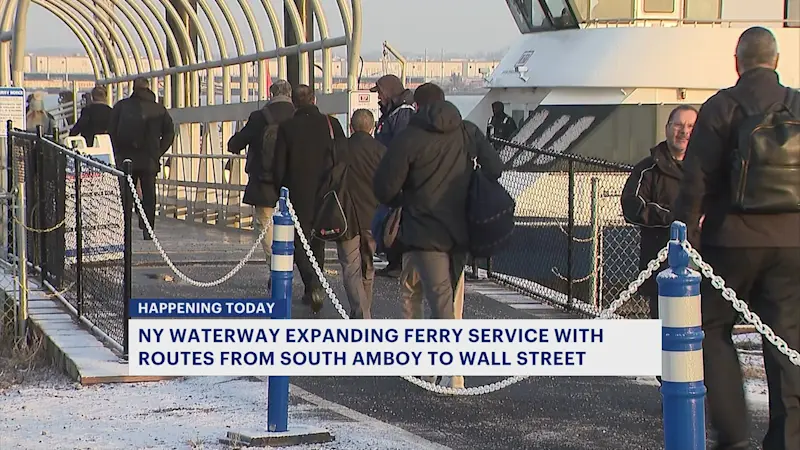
[501, 126]
[261, 189]
[362, 157]
[94, 120]
[395, 117]
[706, 184]
[159, 136]
[647, 201]
[429, 164]
[304, 158]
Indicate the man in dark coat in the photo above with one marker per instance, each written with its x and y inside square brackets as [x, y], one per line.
[303, 160]
[143, 143]
[650, 192]
[397, 107]
[500, 125]
[757, 254]
[94, 117]
[357, 248]
[429, 163]
[261, 191]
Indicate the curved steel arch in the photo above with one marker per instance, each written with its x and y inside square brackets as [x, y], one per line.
[6, 22]
[277, 35]
[300, 36]
[104, 43]
[79, 30]
[259, 45]
[124, 7]
[109, 21]
[240, 51]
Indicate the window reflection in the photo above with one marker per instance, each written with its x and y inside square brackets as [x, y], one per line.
[534, 15]
[562, 18]
[702, 10]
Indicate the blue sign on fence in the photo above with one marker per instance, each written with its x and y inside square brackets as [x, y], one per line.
[12, 107]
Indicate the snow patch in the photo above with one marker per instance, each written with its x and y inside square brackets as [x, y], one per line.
[192, 413]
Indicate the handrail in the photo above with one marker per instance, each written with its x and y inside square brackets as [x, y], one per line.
[67, 152]
[203, 156]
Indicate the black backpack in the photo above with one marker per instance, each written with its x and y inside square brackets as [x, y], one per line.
[490, 210]
[330, 222]
[269, 136]
[132, 126]
[765, 169]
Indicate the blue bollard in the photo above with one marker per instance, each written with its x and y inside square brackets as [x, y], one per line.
[282, 272]
[682, 389]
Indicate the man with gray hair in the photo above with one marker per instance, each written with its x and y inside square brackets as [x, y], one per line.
[259, 135]
[742, 170]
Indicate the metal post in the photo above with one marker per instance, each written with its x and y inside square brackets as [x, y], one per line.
[41, 203]
[79, 237]
[127, 213]
[282, 273]
[682, 388]
[570, 229]
[595, 237]
[22, 244]
[8, 187]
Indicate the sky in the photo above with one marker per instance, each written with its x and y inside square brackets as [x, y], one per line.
[455, 26]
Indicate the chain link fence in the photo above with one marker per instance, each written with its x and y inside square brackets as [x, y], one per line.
[77, 231]
[571, 243]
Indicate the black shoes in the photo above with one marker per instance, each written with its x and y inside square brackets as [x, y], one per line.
[316, 299]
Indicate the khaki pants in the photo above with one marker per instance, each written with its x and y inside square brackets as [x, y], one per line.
[412, 292]
[263, 218]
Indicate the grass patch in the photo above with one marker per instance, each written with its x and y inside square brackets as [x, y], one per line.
[23, 360]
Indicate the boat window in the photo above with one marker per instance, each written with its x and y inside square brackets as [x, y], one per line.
[531, 14]
[659, 6]
[612, 10]
[792, 15]
[540, 15]
[702, 10]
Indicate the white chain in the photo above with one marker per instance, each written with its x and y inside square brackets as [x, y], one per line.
[739, 305]
[652, 266]
[433, 387]
[181, 275]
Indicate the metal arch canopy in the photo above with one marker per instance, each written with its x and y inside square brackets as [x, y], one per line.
[352, 31]
[99, 62]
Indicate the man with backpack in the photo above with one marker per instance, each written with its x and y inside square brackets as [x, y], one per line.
[141, 130]
[427, 171]
[742, 170]
[259, 136]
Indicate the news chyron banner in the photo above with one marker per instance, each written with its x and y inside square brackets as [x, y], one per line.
[237, 338]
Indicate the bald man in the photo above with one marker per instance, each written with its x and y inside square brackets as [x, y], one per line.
[749, 191]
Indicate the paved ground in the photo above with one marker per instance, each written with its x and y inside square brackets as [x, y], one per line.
[540, 413]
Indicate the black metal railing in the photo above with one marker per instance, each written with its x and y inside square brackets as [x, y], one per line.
[571, 243]
[78, 229]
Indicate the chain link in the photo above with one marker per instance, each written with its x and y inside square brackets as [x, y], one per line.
[739, 305]
[644, 275]
[181, 275]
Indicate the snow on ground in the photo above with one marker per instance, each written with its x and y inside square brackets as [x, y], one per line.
[192, 413]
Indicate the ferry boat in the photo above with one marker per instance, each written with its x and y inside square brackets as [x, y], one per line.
[598, 78]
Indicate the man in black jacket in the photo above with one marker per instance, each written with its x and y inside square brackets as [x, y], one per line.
[357, 248]
[427, 171]
[142, 130]
[261, 191]
[500, 125]
[758, 255]
[650, 192]
[303, 158]
[94, 117]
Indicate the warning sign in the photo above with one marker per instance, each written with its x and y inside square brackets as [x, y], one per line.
[12, 107]
[364, 100]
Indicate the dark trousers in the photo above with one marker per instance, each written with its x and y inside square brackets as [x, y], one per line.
[358, 272]
[307, 272]
[147, 182]
[767, 278]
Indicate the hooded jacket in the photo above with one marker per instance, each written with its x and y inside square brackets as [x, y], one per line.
[261, 190]
[158, 137]
[395, 117]
[428, 163]
[647, 201]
